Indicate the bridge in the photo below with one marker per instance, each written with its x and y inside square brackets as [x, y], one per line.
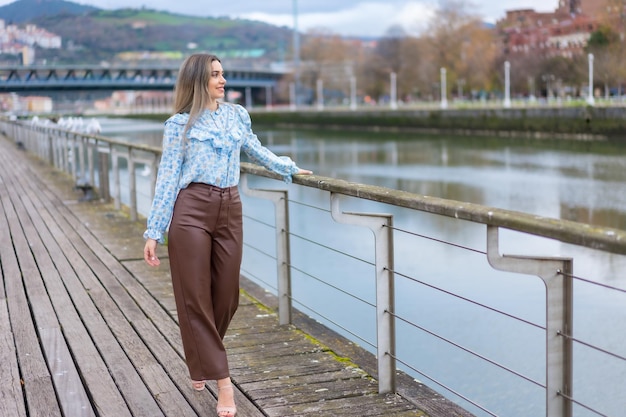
[46, 79]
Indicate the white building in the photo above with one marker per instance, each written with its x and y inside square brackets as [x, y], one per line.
[31, 35]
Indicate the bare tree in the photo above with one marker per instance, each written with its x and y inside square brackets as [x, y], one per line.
[328, 57]
[458, 40]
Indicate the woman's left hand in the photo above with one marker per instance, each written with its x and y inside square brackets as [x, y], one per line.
[304, 172]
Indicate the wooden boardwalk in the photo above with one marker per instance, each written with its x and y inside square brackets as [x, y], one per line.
[87, 329]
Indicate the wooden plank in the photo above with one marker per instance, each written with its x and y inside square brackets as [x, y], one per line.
[367, 405]
[11, 398]
[173, 406]
[113, 302]
[98, 372]
[106, 399]
[67, 383]
[38, 389]
[331, 389]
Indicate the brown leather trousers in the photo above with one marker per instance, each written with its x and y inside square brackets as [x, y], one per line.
[205, 246]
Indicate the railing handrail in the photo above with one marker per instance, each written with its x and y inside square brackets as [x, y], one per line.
[581, 234]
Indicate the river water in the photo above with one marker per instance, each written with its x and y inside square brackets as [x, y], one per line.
[574, 180]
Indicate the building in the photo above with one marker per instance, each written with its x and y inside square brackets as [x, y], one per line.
[13, 37]
[564, 32]
[37, 104]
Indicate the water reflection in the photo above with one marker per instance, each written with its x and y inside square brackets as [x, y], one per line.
[565, 179]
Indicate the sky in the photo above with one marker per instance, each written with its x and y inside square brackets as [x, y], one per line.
[343, 17]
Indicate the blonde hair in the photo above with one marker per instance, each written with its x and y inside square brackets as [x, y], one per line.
[191, 94]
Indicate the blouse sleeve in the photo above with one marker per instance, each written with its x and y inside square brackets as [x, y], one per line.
[282, 165]
[167, 182]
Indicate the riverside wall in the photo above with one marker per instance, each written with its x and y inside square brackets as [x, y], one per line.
[583, 122]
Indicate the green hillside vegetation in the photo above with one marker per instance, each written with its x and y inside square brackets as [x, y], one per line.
[129, 16]
[102, 35]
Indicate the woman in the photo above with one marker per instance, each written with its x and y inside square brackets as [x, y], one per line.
[196, 195]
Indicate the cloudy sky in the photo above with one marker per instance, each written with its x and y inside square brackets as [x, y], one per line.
[345, 17]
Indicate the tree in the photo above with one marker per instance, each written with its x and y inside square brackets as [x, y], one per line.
[326, 56]
[609, 56]
[457, 40]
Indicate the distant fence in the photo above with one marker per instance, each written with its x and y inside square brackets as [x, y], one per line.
[93, 162]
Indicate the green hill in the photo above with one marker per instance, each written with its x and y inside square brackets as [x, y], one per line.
[22, 11]
[103, 35]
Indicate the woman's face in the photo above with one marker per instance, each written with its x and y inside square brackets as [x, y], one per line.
[217, 80]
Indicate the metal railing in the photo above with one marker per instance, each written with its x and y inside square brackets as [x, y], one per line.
[96, 163]
[76, 154]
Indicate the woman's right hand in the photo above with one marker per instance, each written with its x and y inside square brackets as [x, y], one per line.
[149, 253]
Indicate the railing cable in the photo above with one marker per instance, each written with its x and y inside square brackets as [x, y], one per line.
[333, 286]
[441, 384]
[438, 240]
[599, 349]
[588, 281]
[586, 407]
[478, 355]
[260, 222]
[468, 300]
[255, 277]
[331, 321]
[309, 205]
[332, 249]
[269, 255]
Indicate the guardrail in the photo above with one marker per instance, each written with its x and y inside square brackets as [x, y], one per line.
[93, 160]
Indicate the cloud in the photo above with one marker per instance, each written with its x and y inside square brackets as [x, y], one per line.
[364, 19]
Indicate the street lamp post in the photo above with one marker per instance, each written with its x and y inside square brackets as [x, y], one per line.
[353, 93]
[507, 85]
[444, 88]
[590, 100]
[320, 94]
[393, 99]
[292, 96]
[296, 54]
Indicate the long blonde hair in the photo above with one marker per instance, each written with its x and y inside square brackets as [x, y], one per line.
[191, 94]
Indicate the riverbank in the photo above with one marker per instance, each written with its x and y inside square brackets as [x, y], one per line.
[581, 123]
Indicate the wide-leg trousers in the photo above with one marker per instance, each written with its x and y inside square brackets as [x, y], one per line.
[205, 246]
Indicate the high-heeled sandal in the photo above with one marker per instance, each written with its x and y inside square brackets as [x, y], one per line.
[226, 411]
[198, 385]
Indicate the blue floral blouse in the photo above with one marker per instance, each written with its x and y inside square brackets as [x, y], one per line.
[211, 155]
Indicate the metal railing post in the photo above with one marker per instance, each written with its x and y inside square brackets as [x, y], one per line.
[66, 153]
[154, 168]
[283, 251]
[132, 184]
[380, 224]
[90, 144]
[103, 172]
[81, 169]
[115, 167]
[73, 157]
[56, 144]
[559, 317]
[51, 153]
